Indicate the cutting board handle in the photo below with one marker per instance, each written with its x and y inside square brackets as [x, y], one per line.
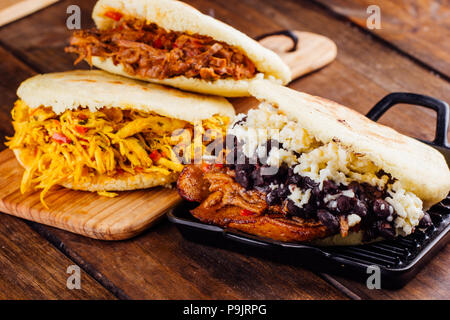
[287, 33]
[302, 51]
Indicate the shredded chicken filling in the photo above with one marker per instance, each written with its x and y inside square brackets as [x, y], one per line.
[78, 144]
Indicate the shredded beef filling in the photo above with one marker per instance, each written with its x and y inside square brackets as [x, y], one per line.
[149, 51]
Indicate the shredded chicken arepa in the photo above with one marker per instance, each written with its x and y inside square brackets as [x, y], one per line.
[78, 144]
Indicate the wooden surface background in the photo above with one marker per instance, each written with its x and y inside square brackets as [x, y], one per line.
[410, 53]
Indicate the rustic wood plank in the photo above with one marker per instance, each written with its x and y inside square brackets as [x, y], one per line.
[160, 264]
[81, 212]
[11, 10]
[166, 265]
[419, 28]
[31, 268]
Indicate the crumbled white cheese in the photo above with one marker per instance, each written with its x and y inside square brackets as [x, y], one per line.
[408, 208]
[330, 197]
[348, 193]
[333, 162]
[353, 220]
[265, 124]
[273, 186]
[278, 156]
[298, 197]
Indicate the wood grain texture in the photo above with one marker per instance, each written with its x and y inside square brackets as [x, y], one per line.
[11, 10]
[419, 28]
[364, 71]
[84, 213]
[159, 263]
[31, 268]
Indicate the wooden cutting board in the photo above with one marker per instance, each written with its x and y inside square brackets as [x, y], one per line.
[132, 212]
[11, 10]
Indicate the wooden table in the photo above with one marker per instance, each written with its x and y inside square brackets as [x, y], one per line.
[410, 53]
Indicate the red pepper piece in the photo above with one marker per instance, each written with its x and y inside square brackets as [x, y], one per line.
[206, 167]
[60, 138]
[155, 155]
[245, 212]
[114, 15]
[80, 129]
[218, 165]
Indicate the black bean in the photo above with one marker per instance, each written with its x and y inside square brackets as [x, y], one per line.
[283, 191]
[330, 221]
[345, 204]
[290, 172]
[243, 179]
[306, 212]
[295, 179]
[308, 183]
[272, 198]
[309, 209]
[257, 178]
[329, 187]
[425, 222]
[360, 209]
[382, 209]
[283, 171]
[292, 208]
[316, 192]
[244, 167]
[372, 191]
[355, 187]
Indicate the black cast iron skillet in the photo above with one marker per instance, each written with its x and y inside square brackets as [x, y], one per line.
[398, 261]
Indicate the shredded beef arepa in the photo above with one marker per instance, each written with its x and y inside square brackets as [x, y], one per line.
[150, 51]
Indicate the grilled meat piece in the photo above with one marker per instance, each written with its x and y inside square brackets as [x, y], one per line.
[226, 203]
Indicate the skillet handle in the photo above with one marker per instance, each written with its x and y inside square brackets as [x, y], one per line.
[437, 105]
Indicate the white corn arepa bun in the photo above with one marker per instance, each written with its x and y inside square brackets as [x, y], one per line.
[180, 17]
[221, 87]
[98, 89]
[420, 169]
